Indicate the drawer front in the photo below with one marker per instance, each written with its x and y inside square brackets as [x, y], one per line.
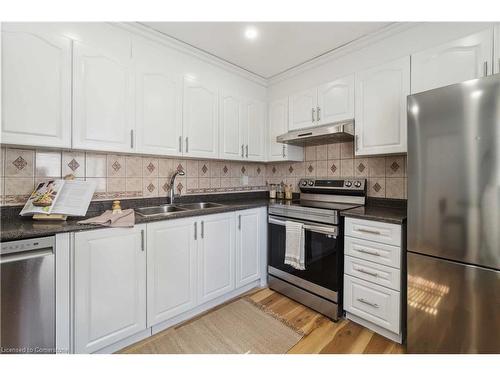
[374, 303]
[373, 272]
[373, 251]
[374, 231]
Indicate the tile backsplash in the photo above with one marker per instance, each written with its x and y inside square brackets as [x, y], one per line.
[133, 176]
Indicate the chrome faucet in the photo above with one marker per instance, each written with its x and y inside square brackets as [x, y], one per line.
[179, 172]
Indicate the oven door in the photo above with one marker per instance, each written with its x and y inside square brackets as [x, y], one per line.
[323, 258]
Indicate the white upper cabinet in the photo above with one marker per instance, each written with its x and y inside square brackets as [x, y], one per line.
[255, 129]
[278, 125]
[381, 93]
[171, 264]
[453, 62]
[200, 119]
[302, 110]
[216, 256]
[36, 86]
[103, 100]
[496, 62]
[231, 128]
[109, 286]
[335, 101]
[158, 98]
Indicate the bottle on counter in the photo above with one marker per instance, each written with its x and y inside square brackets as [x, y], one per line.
[272, 191]
[279, 191]
[288, 192]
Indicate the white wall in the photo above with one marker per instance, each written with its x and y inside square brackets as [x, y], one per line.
[412, 38]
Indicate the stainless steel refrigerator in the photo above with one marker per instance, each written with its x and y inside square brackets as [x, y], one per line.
[453, 294]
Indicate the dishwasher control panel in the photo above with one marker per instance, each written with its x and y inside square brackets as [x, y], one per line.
[27, 245]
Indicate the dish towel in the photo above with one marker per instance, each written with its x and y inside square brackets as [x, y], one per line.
[125, 219]
[294, 252]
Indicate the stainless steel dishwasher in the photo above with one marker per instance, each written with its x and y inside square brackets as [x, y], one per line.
[27, 273]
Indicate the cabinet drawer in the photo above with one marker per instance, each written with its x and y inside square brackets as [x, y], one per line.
[371, 302]
[375, 273]
[374, 231]
[373, 251]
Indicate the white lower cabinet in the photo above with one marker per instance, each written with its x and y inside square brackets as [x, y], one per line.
[171, 264]
[109, 286]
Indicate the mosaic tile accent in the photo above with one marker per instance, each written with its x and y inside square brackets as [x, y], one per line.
[20, 163]
[151, 167]
[310, 168]
[116, 166]
[73, 165]
[204, 169]
[290, 169]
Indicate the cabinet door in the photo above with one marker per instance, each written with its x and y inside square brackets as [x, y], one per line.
[336, 101]
[215, 256]
[249, 236]
[158, 97]
[36, 86]
[109, 287]
[102, 101]
[496, 62]
[171, 268]
[255, 127]
[200, 120]
[453, 62]
[231, 127]
[381, 108]
[302, 110]
[278, 124]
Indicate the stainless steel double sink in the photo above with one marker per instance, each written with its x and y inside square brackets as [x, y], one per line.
[168, 209]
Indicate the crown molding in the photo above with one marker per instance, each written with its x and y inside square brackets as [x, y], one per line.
[157, 36]
[346, 49]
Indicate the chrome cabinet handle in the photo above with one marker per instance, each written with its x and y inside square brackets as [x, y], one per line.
[362, 300]
[180, 143]
[283, 151]
[369, 231]
[142, 239]
[132, 138]
[356, 138]
[367, 272]
[195, 230]
[246, 148]
[318, 113]
[312, 114]
[242, 151]
[187, 145]
[239, 222]
[369, 252]
[485, 68]
[202, 229]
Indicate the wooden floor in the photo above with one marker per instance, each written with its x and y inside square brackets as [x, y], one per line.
[321, 335]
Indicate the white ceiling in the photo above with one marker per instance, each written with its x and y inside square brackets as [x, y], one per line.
[279, 46]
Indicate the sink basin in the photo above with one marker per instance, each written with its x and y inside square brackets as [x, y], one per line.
[200, 205]
[159, 210]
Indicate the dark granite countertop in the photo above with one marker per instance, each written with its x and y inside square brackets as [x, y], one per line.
[388, 211]
[15, 227]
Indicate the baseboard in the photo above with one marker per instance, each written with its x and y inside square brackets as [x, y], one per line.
[375, 328]
[113, 348]
[202, 308]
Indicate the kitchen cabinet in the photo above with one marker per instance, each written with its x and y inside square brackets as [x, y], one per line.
[255, 129]
[158, 100]
[109, 286]
[251, 225]
[456, 61]
[330, 102]
[200, 119]
[216, 240]
[496, 52]
[231, 127]
[103, 100]
[380, 101]
[36, 86]
[278, 124]
[171, 265]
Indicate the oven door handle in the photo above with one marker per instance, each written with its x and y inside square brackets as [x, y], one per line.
[313, 228]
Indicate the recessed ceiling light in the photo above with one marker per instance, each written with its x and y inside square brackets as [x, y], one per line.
[251, 33]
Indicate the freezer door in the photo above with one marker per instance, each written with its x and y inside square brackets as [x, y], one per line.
[454, 172]
[452, 308]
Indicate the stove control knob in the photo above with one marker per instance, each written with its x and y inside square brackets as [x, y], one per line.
[357, 184]
[348, 184]
[303, 183]
[311, 183]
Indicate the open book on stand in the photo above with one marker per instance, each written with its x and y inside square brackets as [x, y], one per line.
[59, 197]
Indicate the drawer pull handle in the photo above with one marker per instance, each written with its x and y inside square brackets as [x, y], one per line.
[367, 272]
[369, 231]
[369, 252]
[368, 303]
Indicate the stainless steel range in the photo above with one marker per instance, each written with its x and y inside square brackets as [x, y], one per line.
[319, 286]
